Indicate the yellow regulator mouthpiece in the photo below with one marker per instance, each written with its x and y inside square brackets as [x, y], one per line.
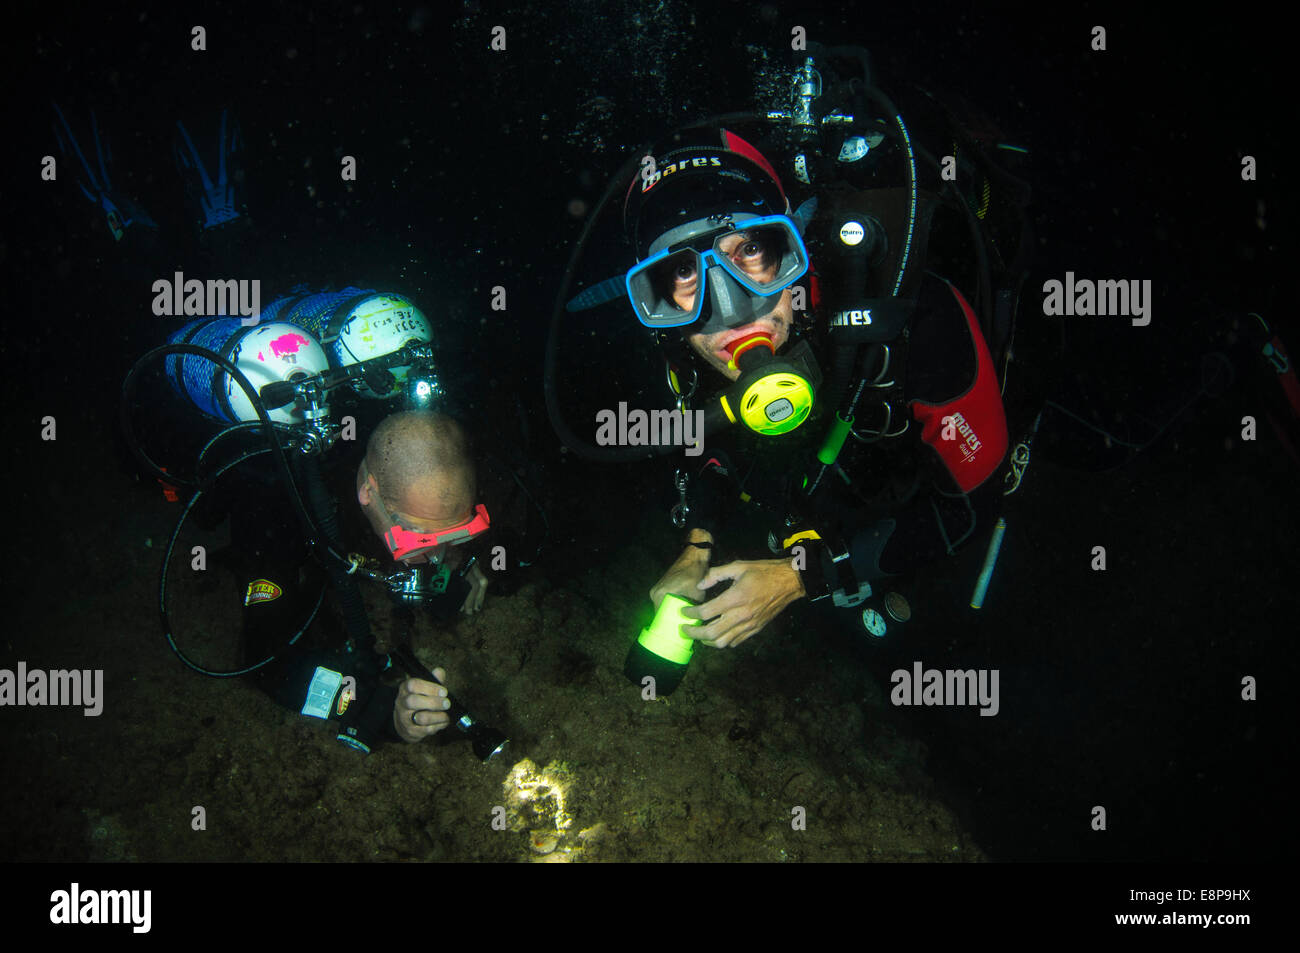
[757, 339]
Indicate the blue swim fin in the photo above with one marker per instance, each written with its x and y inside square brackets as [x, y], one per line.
[94, 182]
[212, 190]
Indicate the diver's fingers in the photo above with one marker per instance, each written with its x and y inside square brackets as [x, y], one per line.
[728, 601]
[432, 720]
[417, 694]
[717, 574]
[730, 627]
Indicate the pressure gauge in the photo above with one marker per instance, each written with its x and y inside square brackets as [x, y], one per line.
[874, 623]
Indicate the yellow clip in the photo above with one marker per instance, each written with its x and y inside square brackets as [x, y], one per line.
[806, 534]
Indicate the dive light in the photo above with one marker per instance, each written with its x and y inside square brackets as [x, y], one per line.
[661, 651]
[486, 741]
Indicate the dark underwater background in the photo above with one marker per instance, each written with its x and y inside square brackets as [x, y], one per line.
[1119, 689]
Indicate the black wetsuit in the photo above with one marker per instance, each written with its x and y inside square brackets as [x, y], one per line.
[280, 582]
[904, 507]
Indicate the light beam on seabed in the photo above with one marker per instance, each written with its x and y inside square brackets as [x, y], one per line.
[525, 786]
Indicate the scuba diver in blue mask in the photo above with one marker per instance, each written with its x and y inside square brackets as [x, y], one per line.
[851, 398]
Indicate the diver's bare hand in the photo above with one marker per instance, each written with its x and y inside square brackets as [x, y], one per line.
[682, 576]
[478, 584]
[420, 709]
[761, 588]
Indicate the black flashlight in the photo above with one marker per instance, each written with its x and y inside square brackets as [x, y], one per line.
[485, 740]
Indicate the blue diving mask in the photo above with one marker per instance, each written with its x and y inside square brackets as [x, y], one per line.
[744, 261]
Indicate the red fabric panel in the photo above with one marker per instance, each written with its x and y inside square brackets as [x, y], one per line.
[979, 424]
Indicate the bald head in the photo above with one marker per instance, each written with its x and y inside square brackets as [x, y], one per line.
[421, 462]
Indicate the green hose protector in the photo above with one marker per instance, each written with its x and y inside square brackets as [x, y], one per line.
[839, 432]
[663, 636]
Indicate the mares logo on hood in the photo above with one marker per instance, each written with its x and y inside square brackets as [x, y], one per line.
[649, 181]
[262, 590]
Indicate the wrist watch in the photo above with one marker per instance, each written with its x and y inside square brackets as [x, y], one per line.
[828, 571]
[813, 573]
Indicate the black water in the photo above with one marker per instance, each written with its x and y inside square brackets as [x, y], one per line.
[1120, 689]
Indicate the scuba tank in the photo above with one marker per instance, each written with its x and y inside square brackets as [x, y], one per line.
[266, 353]
[355, 325]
